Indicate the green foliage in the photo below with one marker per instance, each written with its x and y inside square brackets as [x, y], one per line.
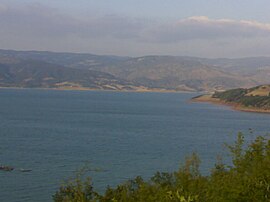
[239, 96]
[233, 95]
[249, 177]
[79, 189]
[246, 180]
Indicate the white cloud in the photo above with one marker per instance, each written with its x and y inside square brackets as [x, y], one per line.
[35, 26]
[38, 20]
[201, 27]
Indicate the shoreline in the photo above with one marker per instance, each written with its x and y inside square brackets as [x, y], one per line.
[104, 90]
[234, 106]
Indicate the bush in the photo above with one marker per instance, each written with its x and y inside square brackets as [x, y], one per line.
[246, 180]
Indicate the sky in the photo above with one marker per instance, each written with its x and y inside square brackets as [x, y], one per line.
[202, 28]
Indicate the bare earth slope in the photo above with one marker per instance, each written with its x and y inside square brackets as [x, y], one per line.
[178, 73]
[38, 74]
[166, 73]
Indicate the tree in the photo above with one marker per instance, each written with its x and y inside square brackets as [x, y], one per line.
[246, 180]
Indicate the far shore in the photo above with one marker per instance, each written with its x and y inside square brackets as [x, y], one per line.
[139, 90]
[208, 98]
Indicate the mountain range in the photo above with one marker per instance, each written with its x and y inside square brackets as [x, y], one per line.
[42, 69]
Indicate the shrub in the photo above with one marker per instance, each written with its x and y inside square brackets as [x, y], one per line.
[246, 180]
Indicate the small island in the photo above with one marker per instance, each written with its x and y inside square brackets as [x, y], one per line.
[256, 99]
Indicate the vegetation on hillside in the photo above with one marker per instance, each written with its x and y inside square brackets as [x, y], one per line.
[39, 74]
[66, 70]
[257, 97]
[246, 180]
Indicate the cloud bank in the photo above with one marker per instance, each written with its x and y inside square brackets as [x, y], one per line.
[35, 26]
[201, 27]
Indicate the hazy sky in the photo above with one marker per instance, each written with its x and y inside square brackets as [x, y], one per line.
[204, 28]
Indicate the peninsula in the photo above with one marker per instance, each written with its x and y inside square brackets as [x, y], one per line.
[256, 99]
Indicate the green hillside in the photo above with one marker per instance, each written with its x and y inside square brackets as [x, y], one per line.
[257, 97]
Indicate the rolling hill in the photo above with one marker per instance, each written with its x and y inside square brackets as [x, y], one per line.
[179, 73]
[172, 73]
[38, 74]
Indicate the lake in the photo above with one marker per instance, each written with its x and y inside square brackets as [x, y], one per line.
[121, 134]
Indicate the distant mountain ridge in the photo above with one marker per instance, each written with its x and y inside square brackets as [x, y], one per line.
[175, 73]
[38, 74]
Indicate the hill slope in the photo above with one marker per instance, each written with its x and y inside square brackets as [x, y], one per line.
[180, 73]
[37, 74]
[256, 99]
[161, 72]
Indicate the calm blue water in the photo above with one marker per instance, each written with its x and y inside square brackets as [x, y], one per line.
[54, 133]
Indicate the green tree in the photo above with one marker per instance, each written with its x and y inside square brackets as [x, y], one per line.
[246, 180]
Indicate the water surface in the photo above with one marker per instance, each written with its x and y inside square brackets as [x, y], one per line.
[54, 133]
